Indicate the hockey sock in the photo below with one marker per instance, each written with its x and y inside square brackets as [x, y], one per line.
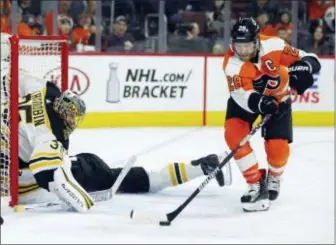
[173, 174]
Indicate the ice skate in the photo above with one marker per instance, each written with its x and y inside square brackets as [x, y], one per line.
[273, 186]
[257, 196]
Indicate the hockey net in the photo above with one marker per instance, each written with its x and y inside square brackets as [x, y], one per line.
[42, 57]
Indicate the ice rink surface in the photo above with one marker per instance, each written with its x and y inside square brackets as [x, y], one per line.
[303, 213]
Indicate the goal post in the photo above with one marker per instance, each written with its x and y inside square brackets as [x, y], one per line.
[44, 57]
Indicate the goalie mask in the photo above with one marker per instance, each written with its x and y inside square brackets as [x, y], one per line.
[71, 109]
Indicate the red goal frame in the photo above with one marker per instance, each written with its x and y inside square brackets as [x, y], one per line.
[14, 101]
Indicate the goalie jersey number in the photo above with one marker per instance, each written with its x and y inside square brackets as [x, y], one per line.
[31, 109]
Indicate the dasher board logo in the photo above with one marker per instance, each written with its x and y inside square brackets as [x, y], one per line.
[78, 81]
[146, 83]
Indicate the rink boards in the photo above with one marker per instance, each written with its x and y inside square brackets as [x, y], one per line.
[161, 90]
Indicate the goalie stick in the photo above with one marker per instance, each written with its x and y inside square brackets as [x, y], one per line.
[166, 219]
[98, 196]
[106, 195]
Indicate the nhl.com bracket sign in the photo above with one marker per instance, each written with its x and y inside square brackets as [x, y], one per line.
[142, 83]
[148, 83]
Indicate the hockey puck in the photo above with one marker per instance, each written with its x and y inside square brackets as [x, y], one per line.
[1, 220]
[164, 223]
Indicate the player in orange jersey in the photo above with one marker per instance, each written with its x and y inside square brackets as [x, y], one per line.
[260, 71]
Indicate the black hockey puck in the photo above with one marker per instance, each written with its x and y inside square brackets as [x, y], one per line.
[164, 223]
[131, 214]
[1, 220]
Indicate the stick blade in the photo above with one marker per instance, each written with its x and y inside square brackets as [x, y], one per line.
[164, 223]
[149, 218]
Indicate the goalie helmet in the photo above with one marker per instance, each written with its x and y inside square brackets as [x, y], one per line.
[71, 109]
[5, 47]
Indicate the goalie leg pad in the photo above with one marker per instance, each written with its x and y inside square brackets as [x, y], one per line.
[70, 192]
[94, 174]
[136, 181]
[91, 172]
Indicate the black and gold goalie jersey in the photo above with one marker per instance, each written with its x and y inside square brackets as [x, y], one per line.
[42, 141]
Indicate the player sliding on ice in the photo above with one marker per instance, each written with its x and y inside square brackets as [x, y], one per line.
[48, 174]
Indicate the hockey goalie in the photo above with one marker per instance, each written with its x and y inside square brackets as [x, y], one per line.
[47, 173]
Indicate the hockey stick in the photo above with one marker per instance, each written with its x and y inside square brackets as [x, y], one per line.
[98, 196]
[166, 219]
[106, 195]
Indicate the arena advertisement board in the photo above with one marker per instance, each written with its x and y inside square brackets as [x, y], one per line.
[217, 87]
[162, 90]
[49, 69]
[140, 83]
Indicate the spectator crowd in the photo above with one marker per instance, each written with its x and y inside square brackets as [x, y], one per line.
[192, 26]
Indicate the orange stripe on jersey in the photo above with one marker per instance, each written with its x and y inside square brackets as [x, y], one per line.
[289, 56]
[248, 72]
[285, 54]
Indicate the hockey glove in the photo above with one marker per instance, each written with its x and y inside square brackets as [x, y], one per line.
[300, 76]
[268, 105]
[263, 104]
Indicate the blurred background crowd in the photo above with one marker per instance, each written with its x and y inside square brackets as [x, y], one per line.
[171, 26]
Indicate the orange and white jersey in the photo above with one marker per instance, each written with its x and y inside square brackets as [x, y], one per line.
[267, 75]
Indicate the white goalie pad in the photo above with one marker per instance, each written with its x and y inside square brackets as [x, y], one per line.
[69, 191]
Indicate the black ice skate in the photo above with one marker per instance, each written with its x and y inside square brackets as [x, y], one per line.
[208, 164]
[257, 196]
[273, 186]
